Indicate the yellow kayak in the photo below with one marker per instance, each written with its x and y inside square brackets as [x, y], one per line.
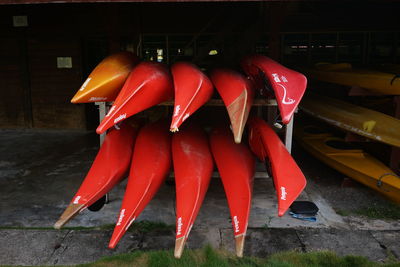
[354, 163]
[374, 81]
[359, 120]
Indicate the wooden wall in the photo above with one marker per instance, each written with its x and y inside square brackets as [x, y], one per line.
[34, 93]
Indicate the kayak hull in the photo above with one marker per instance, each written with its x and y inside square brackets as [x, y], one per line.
[379, 82]
[193, 167]
[107, 79]
[151, 163]
[362, 121]
[289, 180]
[288, 85]
[237, 93]
[108, 169]
[149, 84]
[192, 90]
[236, 166]
[353, 163]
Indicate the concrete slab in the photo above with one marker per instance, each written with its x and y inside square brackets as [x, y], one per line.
[389, 240]
[263, 242]
[343, 242]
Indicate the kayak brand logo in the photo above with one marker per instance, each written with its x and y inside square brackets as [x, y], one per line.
[121, 216]
[120, 118]
[85, 84]
[110, 111]
[97, 98]
[179, 224]
[76, 200]
[283, 193]
[236, 223]
[177, 109]
[185, 117]
[285, 100]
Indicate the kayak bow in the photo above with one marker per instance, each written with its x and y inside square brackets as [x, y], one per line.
[109, 167]
[193, 167]
[288, 85]
[289, 180]
[237, 92]
[149, 84]
[107, 79]
[236, 166]
[192, 90]
[151, 163]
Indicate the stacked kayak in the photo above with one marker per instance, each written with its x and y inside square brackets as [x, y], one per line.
[289, 180]
[236, 166]
[286, 85]
[350, 161]
[107, 79]
[237, 92]
[380, 82]
[148, 154]
[193, 166]
[362, 121]
[108, 169]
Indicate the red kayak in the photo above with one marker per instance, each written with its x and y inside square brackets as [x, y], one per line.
[151, 163]
[193, 166]
[192, 90]
[149, 84]
[108, 169]
[289, 180]
[237, 92]
[107, 79]
[236, 166]
[288, 85]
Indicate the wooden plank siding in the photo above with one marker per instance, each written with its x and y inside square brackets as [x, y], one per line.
[51, 87]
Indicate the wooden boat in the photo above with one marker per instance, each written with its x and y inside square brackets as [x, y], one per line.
[149, 84]
[108, 169]
[289, 180]
[380, 82]
[193, 167]
[151, 163]
[288, 86]
[237, 92]
[352, 162]
[107, 79]
[192, 90]
[362, 121]
[236, 166]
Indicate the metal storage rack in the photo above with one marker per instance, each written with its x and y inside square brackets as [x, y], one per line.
[272, 111]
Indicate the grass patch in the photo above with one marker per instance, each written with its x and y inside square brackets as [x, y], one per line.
[387, 211]
[208, 257]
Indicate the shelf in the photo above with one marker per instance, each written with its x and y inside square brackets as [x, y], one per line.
[259, 102]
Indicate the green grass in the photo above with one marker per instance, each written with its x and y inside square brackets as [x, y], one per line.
[374, 211]
[208, 257]
[389, 211]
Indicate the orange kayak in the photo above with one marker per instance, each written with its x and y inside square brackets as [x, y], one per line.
[289, 180]
[108, 169]
[192, 90]
[193, 166]
[149, 84]
[236, 166]
[288, 86]
[107, 79]
[151, 163]
[237, 92]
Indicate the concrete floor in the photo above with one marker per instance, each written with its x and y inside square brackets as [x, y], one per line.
[40, 171]
[35, 192]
